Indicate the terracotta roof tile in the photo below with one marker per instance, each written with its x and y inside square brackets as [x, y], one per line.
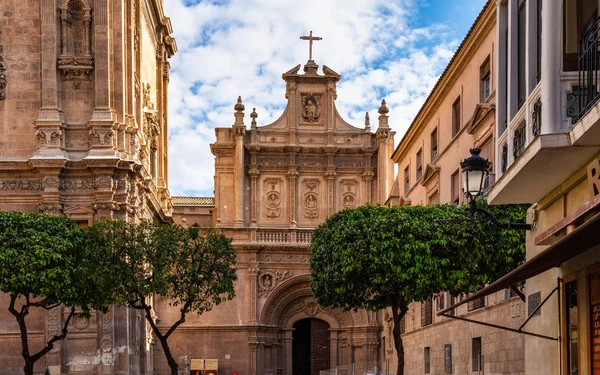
[193, 201]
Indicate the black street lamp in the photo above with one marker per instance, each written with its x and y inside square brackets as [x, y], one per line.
[475, 170]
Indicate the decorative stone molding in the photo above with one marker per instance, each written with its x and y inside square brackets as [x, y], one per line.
[273, 162]
[3, 76]
[50, 208]
[76, 68]
[15, 185]
[77, 184]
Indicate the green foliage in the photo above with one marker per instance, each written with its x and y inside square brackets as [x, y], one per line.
[192, 267]
[45, 264]
[43, 258]
[363, 257]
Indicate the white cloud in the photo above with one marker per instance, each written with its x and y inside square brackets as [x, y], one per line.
[241, 47]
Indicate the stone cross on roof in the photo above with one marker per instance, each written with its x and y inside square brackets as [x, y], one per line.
[310, 39]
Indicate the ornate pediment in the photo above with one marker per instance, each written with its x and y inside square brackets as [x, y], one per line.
[431, 170]
[481, 112]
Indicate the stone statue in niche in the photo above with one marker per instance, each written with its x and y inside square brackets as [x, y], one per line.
[268, 280]
[273, 198]
[311, 107]
[147, 101]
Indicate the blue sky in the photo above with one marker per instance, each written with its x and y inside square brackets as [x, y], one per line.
[393, 49]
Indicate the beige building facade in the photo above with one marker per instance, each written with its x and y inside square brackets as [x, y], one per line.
[548, 146]
[274, 184]
[83, 132]
[458, 115]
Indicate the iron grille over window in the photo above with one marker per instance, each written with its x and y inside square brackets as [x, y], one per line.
[536, 118]
[419, 163]
[448, 358]
[406, 179]
[403, 324]
[477, 304]
[426, 312]
[504, 158]
[455, 188]
[519, 139]
[476, 354]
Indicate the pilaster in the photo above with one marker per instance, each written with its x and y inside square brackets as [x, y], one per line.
[49, 124]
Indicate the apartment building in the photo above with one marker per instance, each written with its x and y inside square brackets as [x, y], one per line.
[458, 115]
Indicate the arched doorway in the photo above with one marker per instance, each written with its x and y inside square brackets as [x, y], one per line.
[310, 347]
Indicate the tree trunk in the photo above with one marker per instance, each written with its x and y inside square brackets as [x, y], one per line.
[170, 360]
[28, 368]
[398, 311]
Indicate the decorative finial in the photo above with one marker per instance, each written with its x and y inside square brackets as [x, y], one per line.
[367, 120]
[239, 106]
[253, 115]
[383, 110]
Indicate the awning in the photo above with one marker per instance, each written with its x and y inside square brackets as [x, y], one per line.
[584, 237]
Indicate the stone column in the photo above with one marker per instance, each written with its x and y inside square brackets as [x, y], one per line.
[293, 177]
[253, 272]
[552, 116]
[333, 347]
[239, 130]
[367, 177]
[288, 352]
[383, 136]
[254, 174]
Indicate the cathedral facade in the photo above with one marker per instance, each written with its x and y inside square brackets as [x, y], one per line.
[274, 185]
[83, 132]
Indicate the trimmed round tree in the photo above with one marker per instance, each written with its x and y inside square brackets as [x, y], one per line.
[194, 268]
[45, 265]
[375, 257]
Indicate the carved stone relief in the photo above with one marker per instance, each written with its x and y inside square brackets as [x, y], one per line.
[311, 198]
[269, 280]
[273, 162]
[348, 192]
[3, 77]
[13, 185]
[349, 163]
[312, 163]
[273, 188]
[288, 258]
[311, 107]
[77, 184]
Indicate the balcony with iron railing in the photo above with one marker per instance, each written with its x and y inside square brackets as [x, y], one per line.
[537, 153]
